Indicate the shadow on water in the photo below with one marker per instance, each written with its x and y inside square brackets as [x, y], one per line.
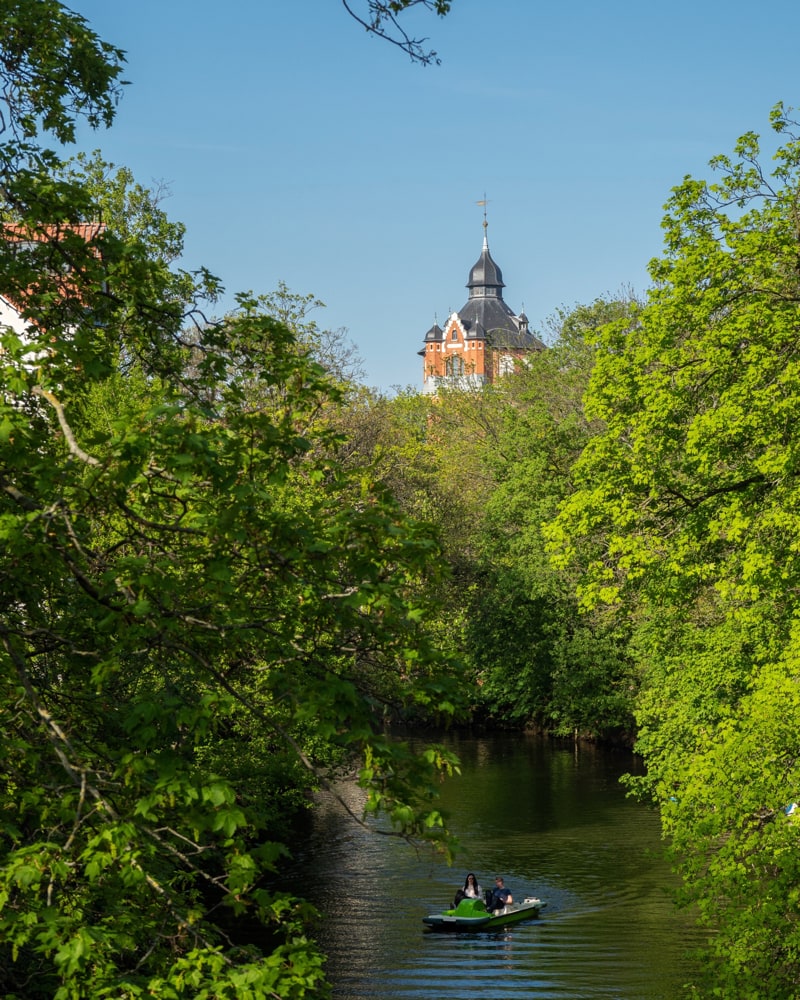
[555, 822]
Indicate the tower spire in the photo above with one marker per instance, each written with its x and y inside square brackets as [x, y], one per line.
[484, 202]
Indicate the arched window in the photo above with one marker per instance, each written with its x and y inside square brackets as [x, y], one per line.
[454, 366]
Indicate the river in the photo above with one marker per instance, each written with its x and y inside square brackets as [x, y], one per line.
[555, 822]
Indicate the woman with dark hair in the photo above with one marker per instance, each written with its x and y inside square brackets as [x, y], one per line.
[471, 890]
[471, 887]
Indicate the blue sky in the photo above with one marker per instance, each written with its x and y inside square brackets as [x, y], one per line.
[298, 148]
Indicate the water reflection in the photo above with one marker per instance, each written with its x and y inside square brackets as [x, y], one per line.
[556, 824]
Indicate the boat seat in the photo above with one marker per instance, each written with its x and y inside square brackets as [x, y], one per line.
[470, 908]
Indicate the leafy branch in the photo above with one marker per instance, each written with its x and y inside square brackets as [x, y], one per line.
[382, 20]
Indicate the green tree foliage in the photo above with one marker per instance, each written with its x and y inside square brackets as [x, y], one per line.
[408, 445]
[537, 659]
[199, 601]
[488, 468]
[686, 516]
[54, 68]
[132, 211]
[330, 348]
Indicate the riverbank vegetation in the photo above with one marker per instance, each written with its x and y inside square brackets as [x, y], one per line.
[204, 609]
[684, 518]
[227, 565]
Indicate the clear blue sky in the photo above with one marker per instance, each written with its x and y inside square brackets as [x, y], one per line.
[299, 149]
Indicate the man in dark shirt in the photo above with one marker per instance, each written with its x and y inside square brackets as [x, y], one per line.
[500, 895]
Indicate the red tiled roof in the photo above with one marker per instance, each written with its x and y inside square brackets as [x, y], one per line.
[52, 234]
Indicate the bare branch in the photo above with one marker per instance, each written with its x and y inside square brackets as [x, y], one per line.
[381, 19]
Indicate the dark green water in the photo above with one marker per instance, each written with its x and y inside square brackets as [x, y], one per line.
[556, 824]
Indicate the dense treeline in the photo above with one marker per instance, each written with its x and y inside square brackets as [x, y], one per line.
[620, 522]
[489, 469]
[205, 611]
[685, 518]
[226, 565]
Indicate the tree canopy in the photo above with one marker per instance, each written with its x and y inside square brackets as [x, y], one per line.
[219, 582]
[205, 612]
[685, 519]
[54, 69]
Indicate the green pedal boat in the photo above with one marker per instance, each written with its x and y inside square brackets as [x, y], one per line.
[472, 915]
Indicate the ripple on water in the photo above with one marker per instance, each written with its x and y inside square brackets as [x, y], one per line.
[557, 826]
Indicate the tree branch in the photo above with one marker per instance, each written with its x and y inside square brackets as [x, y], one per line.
[382, 12]
[74, 447]
[694, 502]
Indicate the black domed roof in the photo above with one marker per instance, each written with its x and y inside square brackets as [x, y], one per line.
[485, 273]
[486, 314]
[435, 333]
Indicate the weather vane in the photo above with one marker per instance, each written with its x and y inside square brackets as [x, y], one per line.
[484, 202]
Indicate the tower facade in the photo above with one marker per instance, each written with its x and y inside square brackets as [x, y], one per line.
[482, 341]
